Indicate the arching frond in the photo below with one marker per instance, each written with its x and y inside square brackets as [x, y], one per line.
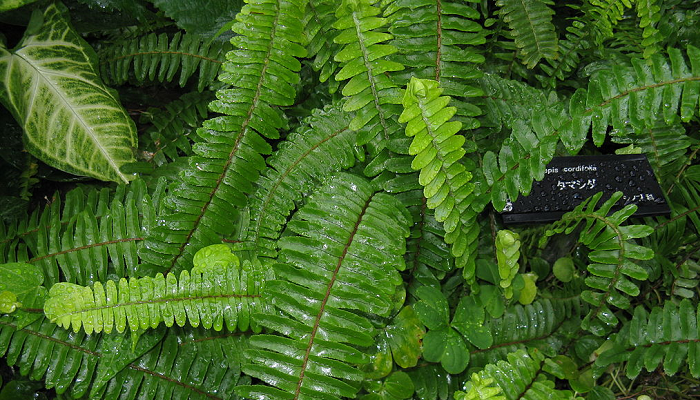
[261, 72]
[613, 255]
[344, 237]
[319, 148]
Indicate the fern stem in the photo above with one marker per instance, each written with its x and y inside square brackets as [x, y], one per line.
[438, 34]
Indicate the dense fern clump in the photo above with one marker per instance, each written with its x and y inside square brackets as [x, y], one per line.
[312, 208]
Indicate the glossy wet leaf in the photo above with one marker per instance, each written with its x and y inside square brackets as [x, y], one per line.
[22, 287]
[404, 335]
[469, 321]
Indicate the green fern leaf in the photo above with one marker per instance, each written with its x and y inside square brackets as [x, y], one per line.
[649, 13]
[664, 145]
[321, 147]
[321, 46]
[438, 150]
[441, 44]
[634, 96]
[109, 367]
[369, 92]
[544, 319]
[173, 127]
[613, 256]
[666, 337]
[531, 24]
[218, 290]
[262, 71]
[160, 58]
[520, 377]
[85, 237]
[322, 292]
[606, 13]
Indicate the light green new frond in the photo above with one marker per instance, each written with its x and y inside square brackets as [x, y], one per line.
[322, 146]
[218, 290]
[161, 58]
[614, 254]
[261, 73]
[339, 265]
[370, 91]
[666, 337]
[520, 377]
[507, 254]
[437, 148]
[531, 25]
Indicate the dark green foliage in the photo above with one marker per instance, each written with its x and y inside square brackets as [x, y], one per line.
[348, 168]
[160, 58]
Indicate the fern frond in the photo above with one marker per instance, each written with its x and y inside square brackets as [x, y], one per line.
[520, 377]
[438, 150]
[649, 13]
[606, 13]
[85, 237]
[319, 148]
[109, 366]
[507, 254]
[613, 256]
[170, 135]
[664, 145]
[321, 46]
[323, 292]
[262, 71]
[530, 22]
[370, 92]
[218, 290]
[578, 38]
[665, 337]
[441, 44]
[159, 58]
